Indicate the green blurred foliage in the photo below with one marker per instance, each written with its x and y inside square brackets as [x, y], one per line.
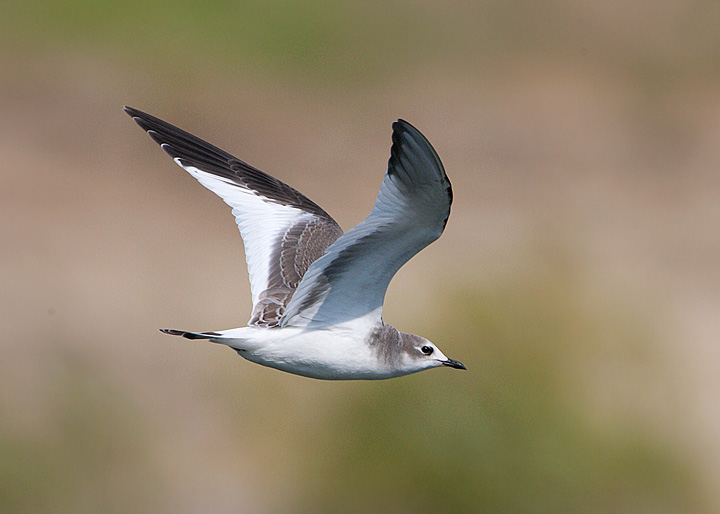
[315, 38]
[89, 454]
[510, 435]
[342, 42]
[507, 436]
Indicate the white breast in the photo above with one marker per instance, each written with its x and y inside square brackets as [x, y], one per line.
[335, 353]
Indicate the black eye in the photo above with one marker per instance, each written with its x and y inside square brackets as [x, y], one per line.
[427, 350]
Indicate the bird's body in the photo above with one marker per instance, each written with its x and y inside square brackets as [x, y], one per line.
[318, 293]
[333, 353]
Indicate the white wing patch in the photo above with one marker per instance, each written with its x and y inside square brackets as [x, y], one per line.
[283, 230]
[261, 223]
[302, 269]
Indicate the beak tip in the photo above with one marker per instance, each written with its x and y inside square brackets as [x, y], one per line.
[454, 364]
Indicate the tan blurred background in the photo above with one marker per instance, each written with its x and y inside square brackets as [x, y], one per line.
[577, 279]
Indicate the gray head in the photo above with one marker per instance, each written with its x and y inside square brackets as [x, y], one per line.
[418, 354]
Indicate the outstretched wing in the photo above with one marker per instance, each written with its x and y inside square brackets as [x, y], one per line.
[283, 231]
[349, 281]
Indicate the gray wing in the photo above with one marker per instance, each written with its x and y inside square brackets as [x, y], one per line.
[283, 231]
[350, 280]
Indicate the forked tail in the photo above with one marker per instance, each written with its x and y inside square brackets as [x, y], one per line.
[190, 335]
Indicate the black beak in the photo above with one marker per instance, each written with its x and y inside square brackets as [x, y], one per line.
[453, 364]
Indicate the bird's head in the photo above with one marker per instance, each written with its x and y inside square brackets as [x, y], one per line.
[420, 354]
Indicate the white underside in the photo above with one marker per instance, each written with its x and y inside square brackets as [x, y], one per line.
[326, 354]
[337, 352]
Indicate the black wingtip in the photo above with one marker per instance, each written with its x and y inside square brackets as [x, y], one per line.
[405, 132]
[139, 117]
[144, 120]
[402, 126]
[130, 111]
[401, 123]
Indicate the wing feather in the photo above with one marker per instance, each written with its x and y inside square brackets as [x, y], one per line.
[350, 280]
[283, 230]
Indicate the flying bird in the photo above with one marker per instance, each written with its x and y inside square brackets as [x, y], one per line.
[317, 292]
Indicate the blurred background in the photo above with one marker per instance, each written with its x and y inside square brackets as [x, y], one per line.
[577, 279]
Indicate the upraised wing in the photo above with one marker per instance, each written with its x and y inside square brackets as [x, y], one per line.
[283, 231]
[350, 280]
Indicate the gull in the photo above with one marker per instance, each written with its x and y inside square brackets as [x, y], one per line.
[317, 292]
